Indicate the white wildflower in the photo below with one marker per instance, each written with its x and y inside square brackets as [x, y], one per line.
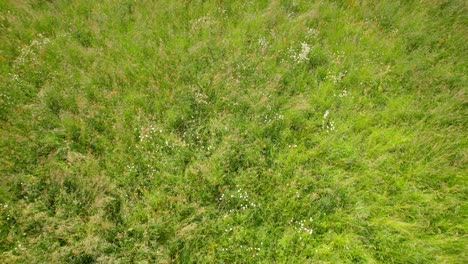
[28, 53]
[305, 50]
[201, 22]
[327, 124]
[312, 33]
[338, 57]
[344, 93]
[302, 55]
[338, 78]
[263, 43]
[201, 98]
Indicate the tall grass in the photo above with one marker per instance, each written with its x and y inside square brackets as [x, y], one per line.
[233, 131]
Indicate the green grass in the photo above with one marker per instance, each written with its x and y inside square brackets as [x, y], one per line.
[233, 131]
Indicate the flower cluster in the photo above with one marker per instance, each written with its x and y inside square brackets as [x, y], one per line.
[269, 119]
[263, 43]
[301, 55]
[131, 168]
[201, 22]
[27, 54]
[327, 124]
[301, 225]
[148, 132]
[344, 93]
[5, 101]
[338, 57]
[312, 33]
[241, 198]
[336, 78]
[201, 98]
[254, 250]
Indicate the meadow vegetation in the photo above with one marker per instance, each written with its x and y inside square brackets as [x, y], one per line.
[233, 131]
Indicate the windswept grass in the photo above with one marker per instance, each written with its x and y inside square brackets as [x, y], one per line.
[233, 131]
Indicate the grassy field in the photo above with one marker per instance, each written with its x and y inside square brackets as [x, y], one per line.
[233, 131]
